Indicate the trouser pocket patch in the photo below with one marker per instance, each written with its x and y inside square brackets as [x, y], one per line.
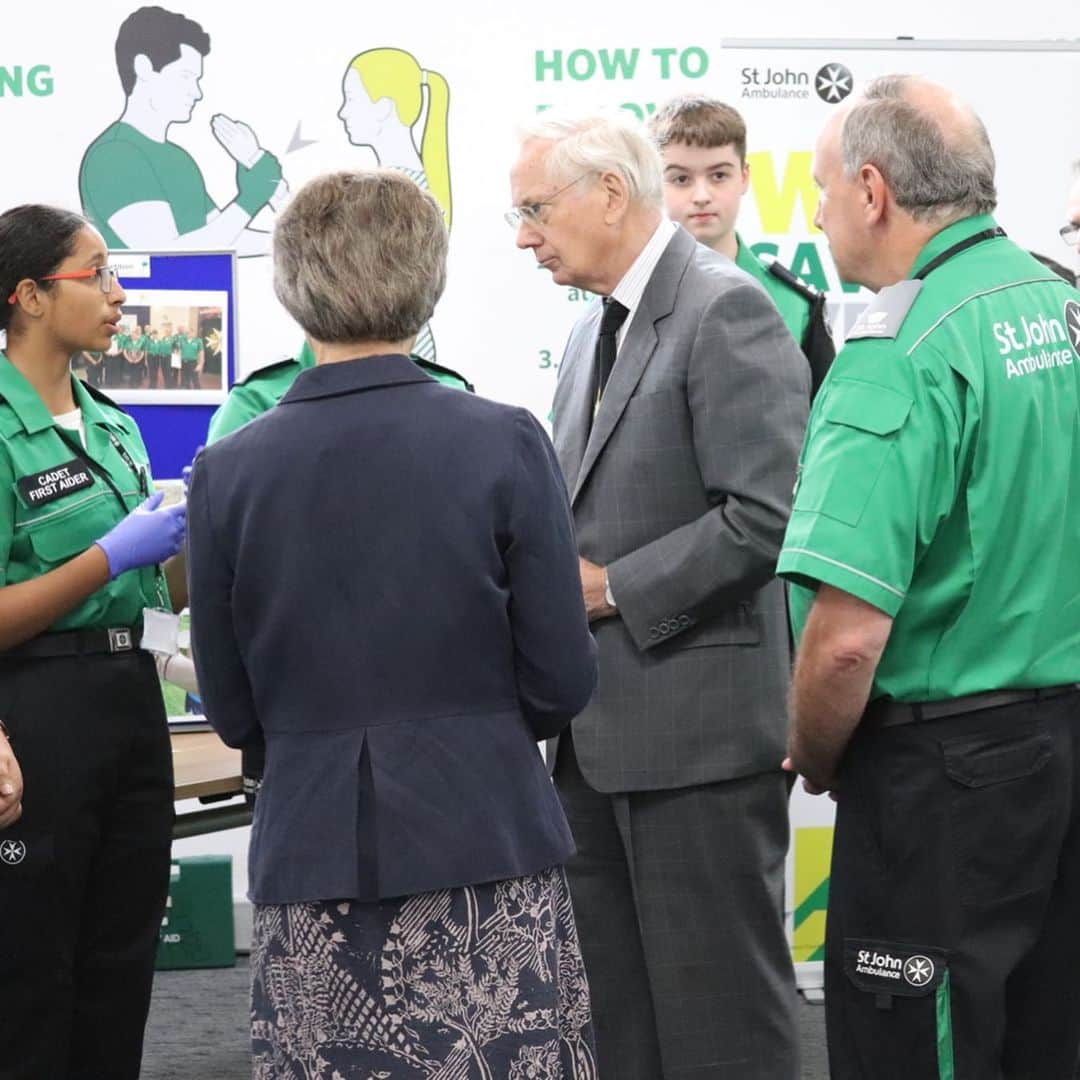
[894, 968]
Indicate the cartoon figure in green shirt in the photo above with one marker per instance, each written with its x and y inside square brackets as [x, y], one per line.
[706, 175]
[143, 191]
[383, 99]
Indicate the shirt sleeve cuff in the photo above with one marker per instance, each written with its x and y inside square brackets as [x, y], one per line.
[808, 568]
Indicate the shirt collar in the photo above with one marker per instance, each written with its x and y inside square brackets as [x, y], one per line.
[951, 234]
[91, 409]
[352, 376]
[631, 288]
[27, 405]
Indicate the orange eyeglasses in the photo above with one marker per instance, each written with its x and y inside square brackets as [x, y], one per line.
[106, 275]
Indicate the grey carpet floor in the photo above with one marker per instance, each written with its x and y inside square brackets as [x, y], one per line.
[198, 1028]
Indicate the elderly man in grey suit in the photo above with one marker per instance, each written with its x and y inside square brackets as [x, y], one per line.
[679, 413]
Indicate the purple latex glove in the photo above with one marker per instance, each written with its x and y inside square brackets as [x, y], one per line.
[147, 535]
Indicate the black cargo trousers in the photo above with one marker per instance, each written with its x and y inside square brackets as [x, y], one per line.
[953, 934]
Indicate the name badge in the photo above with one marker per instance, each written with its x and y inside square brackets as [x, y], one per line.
[39, 489]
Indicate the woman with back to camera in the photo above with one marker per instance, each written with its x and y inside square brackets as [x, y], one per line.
[86, 791]
[426, 628]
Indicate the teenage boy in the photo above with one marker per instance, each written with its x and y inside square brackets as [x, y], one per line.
[703, 145]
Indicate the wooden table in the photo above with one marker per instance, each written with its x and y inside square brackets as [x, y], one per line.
[208, 770]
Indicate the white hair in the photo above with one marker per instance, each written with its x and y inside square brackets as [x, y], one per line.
[609, 141]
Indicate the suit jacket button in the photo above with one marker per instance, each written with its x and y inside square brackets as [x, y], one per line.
[684, 620]
[653, 632]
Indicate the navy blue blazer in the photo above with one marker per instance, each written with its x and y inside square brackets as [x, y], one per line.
[385, 586]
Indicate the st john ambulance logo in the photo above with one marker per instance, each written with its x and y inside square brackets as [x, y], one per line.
[12, 852]
[1072, 324]
[918, 970]
[833, 83]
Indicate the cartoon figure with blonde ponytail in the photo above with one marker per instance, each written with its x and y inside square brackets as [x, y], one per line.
[400, 110]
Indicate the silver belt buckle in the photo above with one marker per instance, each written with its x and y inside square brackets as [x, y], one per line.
[120, 639]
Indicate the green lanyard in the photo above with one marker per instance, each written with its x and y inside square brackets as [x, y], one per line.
[144, 489]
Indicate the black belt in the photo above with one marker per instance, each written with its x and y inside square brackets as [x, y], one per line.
[116, 639]
[888, 713]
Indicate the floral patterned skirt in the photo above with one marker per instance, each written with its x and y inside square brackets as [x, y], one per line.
[483, 982]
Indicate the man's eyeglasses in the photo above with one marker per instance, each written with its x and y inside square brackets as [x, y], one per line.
[106, 275]
[530, 212]
[1069, 233]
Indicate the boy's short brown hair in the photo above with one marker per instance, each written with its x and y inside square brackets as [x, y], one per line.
[699, 121]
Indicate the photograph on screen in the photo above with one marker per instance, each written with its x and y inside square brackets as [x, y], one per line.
[172, 347]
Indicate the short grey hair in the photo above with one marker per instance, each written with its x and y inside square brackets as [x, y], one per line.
[360, 256]
[593, 143]
[935, 176]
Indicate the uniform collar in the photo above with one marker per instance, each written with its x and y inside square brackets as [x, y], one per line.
[91, 409]
[27, 405]
[951, 234]
[745, 259]
[354, 376]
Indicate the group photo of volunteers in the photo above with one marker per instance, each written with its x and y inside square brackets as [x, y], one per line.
[633, 634]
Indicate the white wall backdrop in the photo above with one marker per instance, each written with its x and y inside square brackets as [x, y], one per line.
[501, 321]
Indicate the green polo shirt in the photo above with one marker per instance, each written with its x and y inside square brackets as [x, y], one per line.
[264, 388]
[794, 308]
[190, 347]
[53, 508]
[122, 167]
[940, 477]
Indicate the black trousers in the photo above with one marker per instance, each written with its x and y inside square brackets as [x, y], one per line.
[953, 934]
[84, 873]
[678, 901]
[135, 373]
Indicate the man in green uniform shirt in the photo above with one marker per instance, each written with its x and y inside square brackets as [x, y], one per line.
[143, 191]
[933, 556]
[703, 145]
[135, 356]
[143, 343]
[162, 349]
[191, 354]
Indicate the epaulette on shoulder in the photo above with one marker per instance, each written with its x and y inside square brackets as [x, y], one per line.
[886, 312]
[438, 369]
[259, 372]
[99, 395]
[782, 273]
[9, 422]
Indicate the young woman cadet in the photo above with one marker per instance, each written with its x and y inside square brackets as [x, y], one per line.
[84, 857]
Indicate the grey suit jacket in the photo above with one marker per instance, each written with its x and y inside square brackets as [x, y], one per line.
[681, 486]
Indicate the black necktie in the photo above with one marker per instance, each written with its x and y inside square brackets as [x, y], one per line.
[614, 316]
